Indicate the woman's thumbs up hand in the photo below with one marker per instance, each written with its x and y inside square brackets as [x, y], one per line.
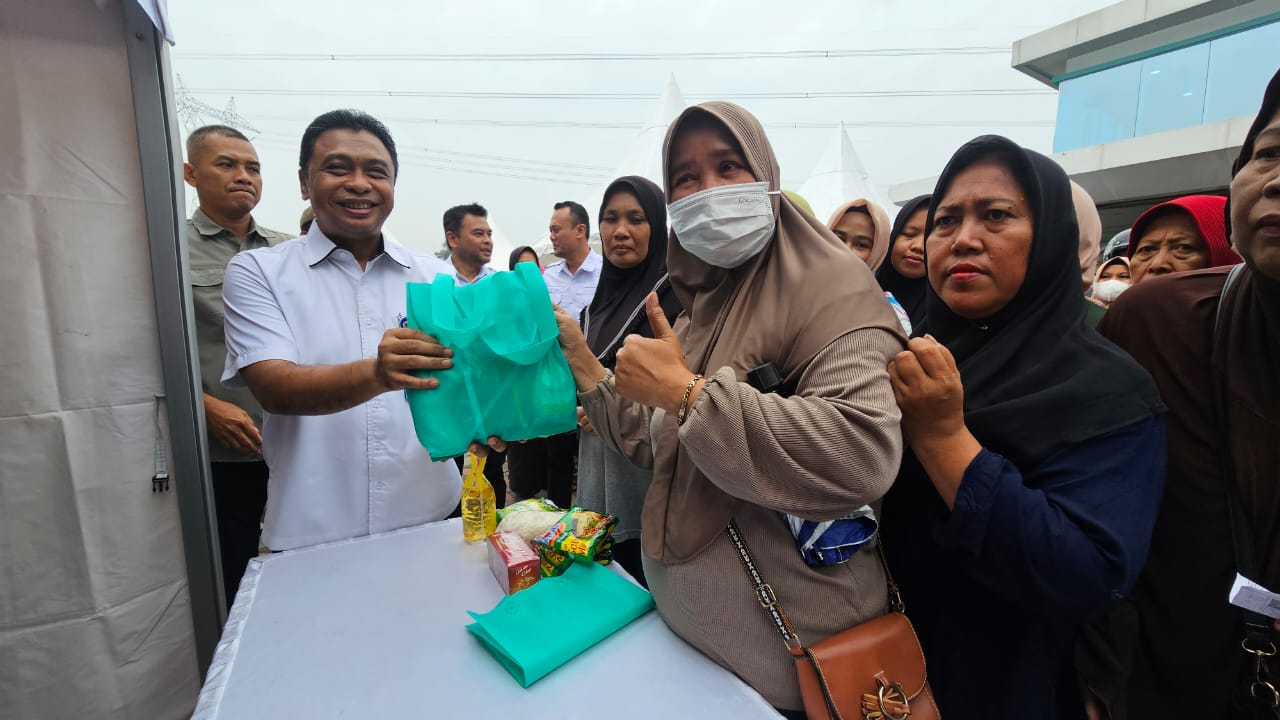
[652, 371]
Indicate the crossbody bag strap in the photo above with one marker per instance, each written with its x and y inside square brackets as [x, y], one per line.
[895, 595]
[1257, 627]
[769, 600]
[764, 592]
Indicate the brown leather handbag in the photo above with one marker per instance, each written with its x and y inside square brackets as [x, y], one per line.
[874, 671]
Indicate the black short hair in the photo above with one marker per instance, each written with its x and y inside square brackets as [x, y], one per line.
[346, 120]
[196, 139]
[453, 216]
[577, 212]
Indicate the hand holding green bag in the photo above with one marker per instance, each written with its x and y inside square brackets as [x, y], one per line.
[508, 378]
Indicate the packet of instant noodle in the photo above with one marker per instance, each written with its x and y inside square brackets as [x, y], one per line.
[552, 562]
[580, 535]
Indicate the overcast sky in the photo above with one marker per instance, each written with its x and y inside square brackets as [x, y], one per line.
[520, 153]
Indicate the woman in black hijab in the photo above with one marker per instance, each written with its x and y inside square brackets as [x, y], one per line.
[1175, 647]
[1037, 448]
[633, 232]
[903, 272]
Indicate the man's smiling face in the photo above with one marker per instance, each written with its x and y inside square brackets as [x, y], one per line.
[350, 181]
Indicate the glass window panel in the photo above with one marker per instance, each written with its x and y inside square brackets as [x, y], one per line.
[1194, 85]
[1097, 108]
[1240, 66]
[1172, 92]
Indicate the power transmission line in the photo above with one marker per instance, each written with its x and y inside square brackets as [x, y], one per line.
[597, 56]
[810, 125]
[503, 158]
[746, 95]
[415, 158]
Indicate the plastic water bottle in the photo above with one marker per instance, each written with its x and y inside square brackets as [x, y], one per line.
[479, 505]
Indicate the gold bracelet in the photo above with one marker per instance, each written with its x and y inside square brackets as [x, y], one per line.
[683, 413]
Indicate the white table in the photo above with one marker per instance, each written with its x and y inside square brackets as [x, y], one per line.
[374, 628]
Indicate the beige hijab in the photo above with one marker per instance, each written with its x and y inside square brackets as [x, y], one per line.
[1117, 260]
[879, 221]
[802, 292]
[1090, 224]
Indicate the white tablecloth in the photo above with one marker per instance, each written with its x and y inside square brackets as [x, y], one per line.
[374, 628]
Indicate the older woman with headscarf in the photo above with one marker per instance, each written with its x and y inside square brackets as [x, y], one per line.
[762, 283]
[633, 232]
[1186, 233]
[1026, 502]
[1174, 647]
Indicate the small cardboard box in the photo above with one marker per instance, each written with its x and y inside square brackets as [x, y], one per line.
[513, 562]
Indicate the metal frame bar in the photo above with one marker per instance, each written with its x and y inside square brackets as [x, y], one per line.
[1168, 48]
[160, 158]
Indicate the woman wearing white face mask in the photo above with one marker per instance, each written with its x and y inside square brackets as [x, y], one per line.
[762, 283]
[1112, 279]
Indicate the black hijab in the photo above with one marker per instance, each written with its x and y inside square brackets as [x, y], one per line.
[909, 293]
[515, 256]
[617, 310]
[1037, 378]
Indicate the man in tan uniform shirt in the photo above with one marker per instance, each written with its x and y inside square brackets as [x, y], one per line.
[223, 168]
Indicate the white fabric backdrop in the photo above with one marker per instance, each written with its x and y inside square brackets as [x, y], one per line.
[94, 609]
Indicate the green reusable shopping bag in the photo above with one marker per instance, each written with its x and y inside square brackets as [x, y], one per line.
[509, 377]
[539, 629]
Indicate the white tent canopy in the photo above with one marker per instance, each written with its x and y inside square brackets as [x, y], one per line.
[502, 245]
[838, 177]
[644, 157]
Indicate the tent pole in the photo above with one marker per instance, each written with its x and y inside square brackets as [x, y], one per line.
[160, 157]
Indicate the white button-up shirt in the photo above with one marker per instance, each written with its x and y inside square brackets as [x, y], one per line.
[459, 280]
[573, 291]
[354, 472]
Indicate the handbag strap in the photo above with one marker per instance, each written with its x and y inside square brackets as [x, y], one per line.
[1257, 627]
[633, 320]
[764, 592]
[768, 599]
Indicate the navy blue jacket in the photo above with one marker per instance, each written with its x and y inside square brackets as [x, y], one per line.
[998, 586]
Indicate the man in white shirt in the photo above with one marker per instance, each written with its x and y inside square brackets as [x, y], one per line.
[313, 329]
[572, 279]
[551, 463]
[470, 240]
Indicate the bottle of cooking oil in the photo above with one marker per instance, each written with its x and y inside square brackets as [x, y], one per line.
[479, 505]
